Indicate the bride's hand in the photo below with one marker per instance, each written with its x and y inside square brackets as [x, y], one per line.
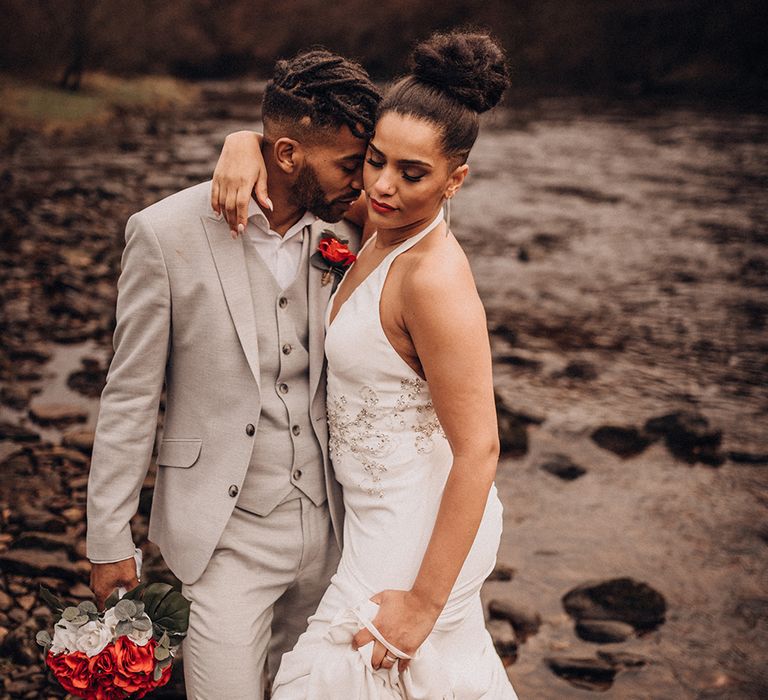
[404, 620]
[239, 171]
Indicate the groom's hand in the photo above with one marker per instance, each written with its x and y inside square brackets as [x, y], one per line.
[106, 577]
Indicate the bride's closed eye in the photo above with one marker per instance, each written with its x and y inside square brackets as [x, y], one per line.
[378, 164]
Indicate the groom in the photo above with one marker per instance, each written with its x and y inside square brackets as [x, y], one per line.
[245, 511]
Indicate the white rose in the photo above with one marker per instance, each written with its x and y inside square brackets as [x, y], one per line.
[111, 620]
[92, 637]
[64, 637]
[141, 637]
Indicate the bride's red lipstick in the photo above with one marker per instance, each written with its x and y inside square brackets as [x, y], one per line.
[381, 208]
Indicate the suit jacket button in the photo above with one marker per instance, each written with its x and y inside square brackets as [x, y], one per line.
[296, 430]
[250, 430]
[283, 302]
[287, 349]
[297, 474]
[233, 490]
[282, 388]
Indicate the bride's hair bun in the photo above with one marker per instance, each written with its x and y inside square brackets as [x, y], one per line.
[470, 67]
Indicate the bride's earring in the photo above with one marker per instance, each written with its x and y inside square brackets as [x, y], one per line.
[448, 215]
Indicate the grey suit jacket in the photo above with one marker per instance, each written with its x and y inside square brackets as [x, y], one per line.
[185, 318]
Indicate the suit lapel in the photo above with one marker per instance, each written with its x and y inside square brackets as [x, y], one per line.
[229, 257]
[318, 295]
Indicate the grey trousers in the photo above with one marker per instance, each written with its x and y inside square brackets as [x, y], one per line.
[265, 578]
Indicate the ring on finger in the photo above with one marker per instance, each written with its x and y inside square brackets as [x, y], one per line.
[391, 658]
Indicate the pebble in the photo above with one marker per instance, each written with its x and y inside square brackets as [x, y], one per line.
[526, 622]
[688, 437]
[39, 562]
[57, 414]
[622, 599]
[623, 441]
[604, 631]
[504, 640]
[588, 673]
[79, 440]
[17, 433]
[561, 466]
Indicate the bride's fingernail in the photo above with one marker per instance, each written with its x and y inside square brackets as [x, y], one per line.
[240, 228]
[270, 205]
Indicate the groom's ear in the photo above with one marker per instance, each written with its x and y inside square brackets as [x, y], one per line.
[289, 155]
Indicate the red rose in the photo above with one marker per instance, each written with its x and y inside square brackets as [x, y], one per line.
[71, 671]
[334, 251]
[134, 664]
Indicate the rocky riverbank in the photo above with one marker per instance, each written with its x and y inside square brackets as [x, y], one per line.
[621, 254]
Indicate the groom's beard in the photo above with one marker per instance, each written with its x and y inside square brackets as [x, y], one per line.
[306, 192]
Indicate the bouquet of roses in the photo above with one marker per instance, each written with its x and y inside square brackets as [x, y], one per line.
[125, 651]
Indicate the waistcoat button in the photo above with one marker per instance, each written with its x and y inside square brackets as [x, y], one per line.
[287, 349]
[283, 388]
[296, 429]
[283, 302]
[250, 429]
[297, 474]
[233, 490]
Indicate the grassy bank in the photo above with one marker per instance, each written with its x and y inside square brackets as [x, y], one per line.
[37, 106]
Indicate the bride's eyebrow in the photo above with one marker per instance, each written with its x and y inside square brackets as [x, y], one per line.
[402, 161]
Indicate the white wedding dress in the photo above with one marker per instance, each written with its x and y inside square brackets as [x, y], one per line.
[392, 459]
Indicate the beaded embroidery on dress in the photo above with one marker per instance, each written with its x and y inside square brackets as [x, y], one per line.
[392, 459]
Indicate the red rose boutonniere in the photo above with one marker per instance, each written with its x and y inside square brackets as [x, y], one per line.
[332, 256]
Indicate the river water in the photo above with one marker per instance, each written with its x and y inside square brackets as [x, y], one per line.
[621, 251]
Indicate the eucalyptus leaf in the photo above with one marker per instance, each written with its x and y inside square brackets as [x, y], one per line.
[162, 653]
[142, 624]
[123, 627]
[164, 641]
[81, 619]
[87, 607]
[51, 600]
[139, 607]
[70, 613]
[158, 672]
[125, 609]
[43, 638]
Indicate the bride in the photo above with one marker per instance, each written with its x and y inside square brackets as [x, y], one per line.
[413, 433]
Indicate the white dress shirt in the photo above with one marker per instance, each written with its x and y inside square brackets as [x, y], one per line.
[281, 254]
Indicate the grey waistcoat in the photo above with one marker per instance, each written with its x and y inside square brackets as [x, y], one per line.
[286, 456]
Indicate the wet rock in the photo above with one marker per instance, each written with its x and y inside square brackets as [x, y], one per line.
[35, 352]
[6, 602]
[521, 362]
[580, 369]
[501, 572]
[80, 590]
[3, 634]
[560, 465]
[622, 659]
[16, 396]
[57, 414]
[44, 540]
[19, 645]
[513, 433]
[623, 441]
[525, 622]
[26, 602]
[39, 562]
[741, 457]
[89, 380]
[35, 519]
[623, 599]
[604, 631]
[688, 437]
[79, 440]
[17, 433]
[73, 515]
[588, 673]
[504, 640]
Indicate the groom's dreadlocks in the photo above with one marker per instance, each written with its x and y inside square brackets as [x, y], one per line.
[321, 89]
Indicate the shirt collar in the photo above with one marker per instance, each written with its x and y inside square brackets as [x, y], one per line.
[257, 217]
